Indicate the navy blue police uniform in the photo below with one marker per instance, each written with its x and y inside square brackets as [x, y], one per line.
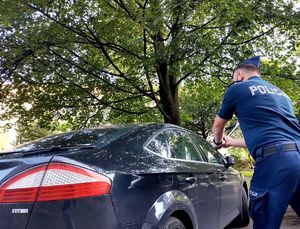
[272, 135]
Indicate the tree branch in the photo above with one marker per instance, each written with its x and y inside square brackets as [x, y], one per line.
[251, 39]
[74, 30]
[183, 78]
[107, 56]
[123, 6]
[88, 72]
[202, 26]
[9, 71]
[113, 46]
[107, 104]
[208, 55]
[123, 100]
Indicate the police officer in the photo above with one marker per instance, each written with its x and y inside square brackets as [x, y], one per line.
[271, 134]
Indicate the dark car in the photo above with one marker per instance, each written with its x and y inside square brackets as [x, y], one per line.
[135, 177]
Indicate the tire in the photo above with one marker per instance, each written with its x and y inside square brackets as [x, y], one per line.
[243, 219]
[173, 223]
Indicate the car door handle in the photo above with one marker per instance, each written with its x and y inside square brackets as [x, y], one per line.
[191, 180]
[222, 177]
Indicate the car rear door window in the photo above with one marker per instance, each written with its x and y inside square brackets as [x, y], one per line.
[207, 151]
[174, 144]
[160, 145]
[181, 146]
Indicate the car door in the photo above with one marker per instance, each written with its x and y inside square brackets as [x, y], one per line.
[198, 178]
[228, 182]
[230, 194]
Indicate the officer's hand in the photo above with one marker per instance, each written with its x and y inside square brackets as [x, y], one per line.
[218, 145]
[228, 141]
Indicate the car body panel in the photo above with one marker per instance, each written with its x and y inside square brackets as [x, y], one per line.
[230, 190]
[91, 212]
[15, 215]
[168, 203]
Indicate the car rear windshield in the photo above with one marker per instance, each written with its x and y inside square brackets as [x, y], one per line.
[98, 137]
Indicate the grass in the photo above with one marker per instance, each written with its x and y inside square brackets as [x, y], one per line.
[248, 175]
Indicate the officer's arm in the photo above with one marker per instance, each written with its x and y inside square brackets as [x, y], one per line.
[235, 142]
[225, 113]
[218, 129]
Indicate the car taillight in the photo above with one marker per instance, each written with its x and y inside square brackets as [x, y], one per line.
[57, 181]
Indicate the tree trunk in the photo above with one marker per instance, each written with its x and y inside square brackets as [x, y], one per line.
[168, 91]
[170, 108]
[167, 71]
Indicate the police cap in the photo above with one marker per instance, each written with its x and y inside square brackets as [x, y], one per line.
[255, 60]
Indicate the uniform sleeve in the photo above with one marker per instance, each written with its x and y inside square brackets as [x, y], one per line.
[228, 106]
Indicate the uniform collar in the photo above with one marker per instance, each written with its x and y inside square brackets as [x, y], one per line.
[254, 77]
[238, 81]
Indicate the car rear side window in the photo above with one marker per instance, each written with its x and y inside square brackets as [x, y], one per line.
[174, 144]
[160, 145]
[207, 151]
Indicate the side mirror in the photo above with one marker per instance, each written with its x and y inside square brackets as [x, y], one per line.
[230, 161]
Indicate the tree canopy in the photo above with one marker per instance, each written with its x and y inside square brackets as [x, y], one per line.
[200, 101]
[93, 61]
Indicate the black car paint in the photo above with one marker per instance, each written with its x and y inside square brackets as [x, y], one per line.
[92, 212]
[145, 189]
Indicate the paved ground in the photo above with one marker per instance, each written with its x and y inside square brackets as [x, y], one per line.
[290, 221]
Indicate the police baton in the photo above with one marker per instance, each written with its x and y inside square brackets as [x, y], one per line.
[232, 128]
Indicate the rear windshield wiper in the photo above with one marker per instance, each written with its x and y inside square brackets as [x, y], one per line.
[50, 149]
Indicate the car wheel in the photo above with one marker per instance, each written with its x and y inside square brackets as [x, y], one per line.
[173, 223]
[243, 219]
